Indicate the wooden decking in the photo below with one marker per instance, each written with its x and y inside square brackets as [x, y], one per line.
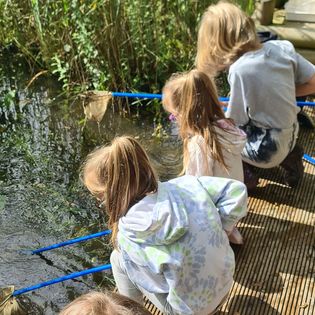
[300, 34]
[275, 268]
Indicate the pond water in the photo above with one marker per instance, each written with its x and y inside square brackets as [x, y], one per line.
[42, 145]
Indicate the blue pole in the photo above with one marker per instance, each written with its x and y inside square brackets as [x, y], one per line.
[137, 95]
[69, 242]
[223, 99]
[309, 159]
[301, 103]
[159, 96]
[63, 278]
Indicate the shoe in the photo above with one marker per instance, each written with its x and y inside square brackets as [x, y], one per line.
[305, 120]
[251, 179]
[293, 166]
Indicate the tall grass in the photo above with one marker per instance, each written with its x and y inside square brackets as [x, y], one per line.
[106, 44]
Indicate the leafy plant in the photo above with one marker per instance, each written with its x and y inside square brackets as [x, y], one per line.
[106, 44]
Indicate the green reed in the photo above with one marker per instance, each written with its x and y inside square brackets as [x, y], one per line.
[106, 44]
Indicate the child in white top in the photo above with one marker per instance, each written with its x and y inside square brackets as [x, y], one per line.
[169, 238]
[264, 81]
[212, 144]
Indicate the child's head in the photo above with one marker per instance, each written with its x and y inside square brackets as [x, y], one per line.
[225, 33]
[120, 175]
[98, 303]
[192, 98]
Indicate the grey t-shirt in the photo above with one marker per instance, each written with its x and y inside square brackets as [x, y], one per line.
[263, 84]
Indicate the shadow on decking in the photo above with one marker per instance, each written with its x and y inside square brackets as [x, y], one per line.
[254, 305]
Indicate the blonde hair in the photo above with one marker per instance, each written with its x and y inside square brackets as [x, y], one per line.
[193, 98]
[120, 175]
[225, 33]
[98, 303]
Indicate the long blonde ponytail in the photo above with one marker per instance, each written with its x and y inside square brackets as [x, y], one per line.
[121, 175]
[193, 96]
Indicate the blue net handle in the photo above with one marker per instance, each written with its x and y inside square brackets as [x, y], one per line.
[160, 96]
[63, 278]
[70, 242]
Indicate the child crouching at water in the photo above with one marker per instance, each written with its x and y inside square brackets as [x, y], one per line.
[264, 81]
[169, 237]
[212, 143]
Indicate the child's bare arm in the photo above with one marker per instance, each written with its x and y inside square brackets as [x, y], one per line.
[306, 88]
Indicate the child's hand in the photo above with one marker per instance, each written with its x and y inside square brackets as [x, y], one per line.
[235, 236]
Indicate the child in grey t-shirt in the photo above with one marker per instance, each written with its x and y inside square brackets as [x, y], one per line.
[264, 80]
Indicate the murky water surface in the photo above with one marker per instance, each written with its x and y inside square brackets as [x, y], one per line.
[43, 142]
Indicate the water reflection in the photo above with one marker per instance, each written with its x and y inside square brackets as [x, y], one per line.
[42, 144]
